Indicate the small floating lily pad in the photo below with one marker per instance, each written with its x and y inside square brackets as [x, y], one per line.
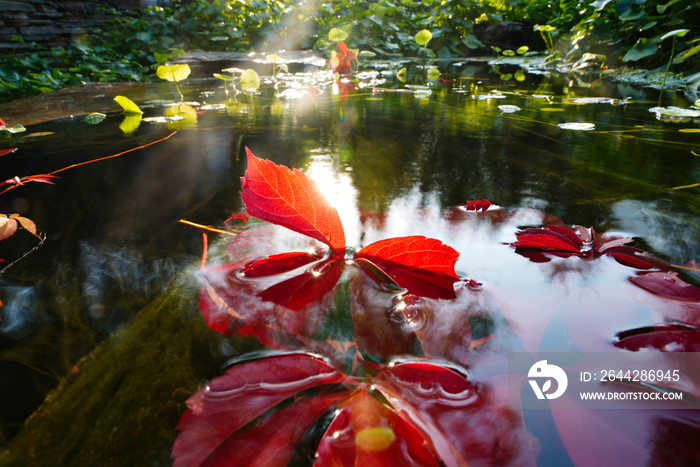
[14, 129]
[672, 111]
[494, 95]
[551, 109]
[169, 119]
[213, 107]
[509, 109]
[577, 126]
[94, 118]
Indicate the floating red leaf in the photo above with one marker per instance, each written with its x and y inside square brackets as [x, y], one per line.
[368, 433]
[288, 198]
[271, 443]
[667, 284]
[454, 416]
[424, 266]
[294, 301]
[665, 337]
[547, 242]
[231, 401]
[477, 205]
[7, 151]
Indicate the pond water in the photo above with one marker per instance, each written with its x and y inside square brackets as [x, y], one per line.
[104, 317]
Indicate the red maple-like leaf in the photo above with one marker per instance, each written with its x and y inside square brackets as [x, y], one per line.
[424, 266]
[288, 198]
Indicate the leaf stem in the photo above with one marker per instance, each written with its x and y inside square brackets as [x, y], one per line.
[207, 228]
[673, 51]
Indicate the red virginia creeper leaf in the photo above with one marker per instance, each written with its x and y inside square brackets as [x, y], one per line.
[288, 198]
[368, 433]
[477, 205]
[229, 402]
[424, 266]
[26, 223]
[545, 242]
[271, 443]
[629, 256]
[455, 416]
[343, 48]
[43, 178]
[665, 337]
[7, 151]
[667, 284]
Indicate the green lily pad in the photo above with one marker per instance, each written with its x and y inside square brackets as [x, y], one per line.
[423, 37]
[250, 80]
[94, 118]
[173, 72]
[128, 105]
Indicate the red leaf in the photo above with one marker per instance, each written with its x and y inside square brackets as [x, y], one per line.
[477, 205]
[277, 264]
[43, 178]
[271, 443]
[343, 48]
[295, 301]
[455, 417]
[667, 284]
[666, 338]
[368, 433]
[7, 227]
[310, 286]
[288, 198]
[7, 151]
[628, 256]
[545, 241]
[238, 216]
[229, 402]
[424, 266]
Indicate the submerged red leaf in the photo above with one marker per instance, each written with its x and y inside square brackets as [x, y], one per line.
[231, 401]
[424, 266]
[288, 198]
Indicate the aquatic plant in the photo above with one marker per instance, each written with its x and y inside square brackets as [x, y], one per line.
[174, 73]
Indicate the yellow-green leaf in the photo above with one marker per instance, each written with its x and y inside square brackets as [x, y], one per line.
[337, 35]
[690, 130]
[401, 75]
[128, 106]
[523, 49]
[224, 77]
[433, 74]
[173, 72]
[130, 123]
[250, 80]
[423, 37]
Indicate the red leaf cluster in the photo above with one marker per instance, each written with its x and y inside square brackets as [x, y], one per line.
[434, 416]
[292, 292]
[565, 241]
[341, 62]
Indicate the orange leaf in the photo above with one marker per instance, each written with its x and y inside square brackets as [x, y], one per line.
[288, 198]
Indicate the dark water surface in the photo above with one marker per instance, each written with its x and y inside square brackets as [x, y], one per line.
[104, 319]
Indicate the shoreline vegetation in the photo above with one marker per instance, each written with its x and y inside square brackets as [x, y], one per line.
[600, 36]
